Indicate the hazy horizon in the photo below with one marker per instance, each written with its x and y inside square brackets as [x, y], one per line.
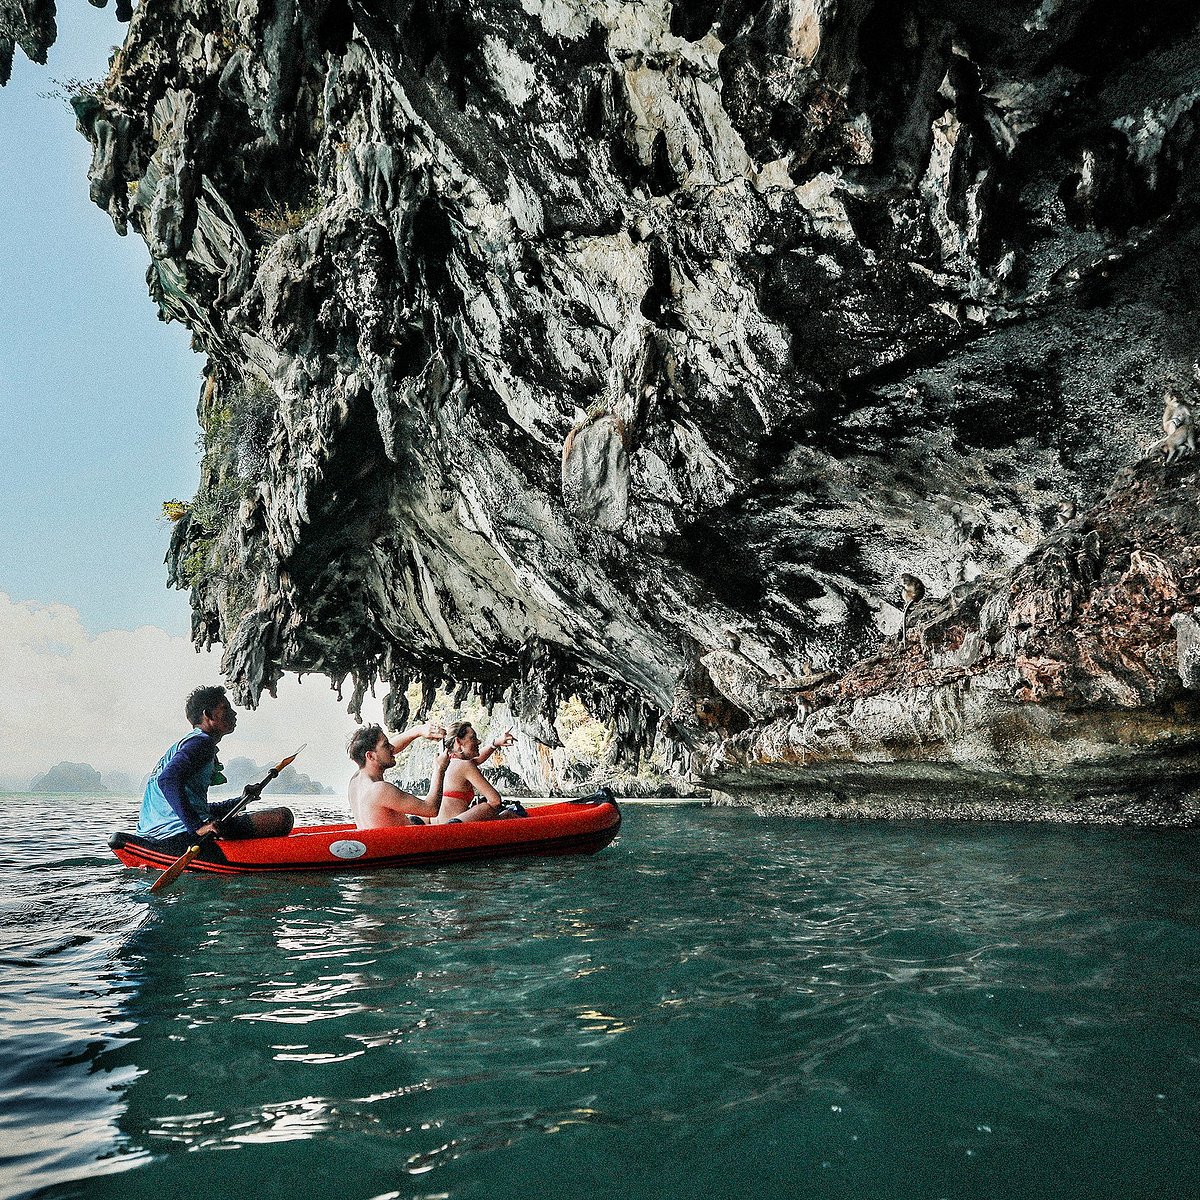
[124, 782]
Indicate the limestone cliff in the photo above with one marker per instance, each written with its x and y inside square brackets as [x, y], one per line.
[1069, 689]
[636, 349]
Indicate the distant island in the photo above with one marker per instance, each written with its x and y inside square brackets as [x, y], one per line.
[241, 771]
[122, 783]
[81, 777]
[69, 777]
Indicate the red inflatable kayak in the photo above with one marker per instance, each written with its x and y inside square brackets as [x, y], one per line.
[571, 827]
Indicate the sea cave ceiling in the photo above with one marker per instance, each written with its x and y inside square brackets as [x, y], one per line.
[636, 349]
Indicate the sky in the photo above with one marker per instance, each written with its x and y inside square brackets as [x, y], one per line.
[97, 428]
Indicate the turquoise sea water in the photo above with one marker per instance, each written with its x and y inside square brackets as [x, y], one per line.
[717, 1004]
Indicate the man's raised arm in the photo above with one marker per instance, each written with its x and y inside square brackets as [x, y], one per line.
[429, 730]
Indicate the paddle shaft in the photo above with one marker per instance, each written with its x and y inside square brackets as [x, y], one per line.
[176, 869]
[248, 794]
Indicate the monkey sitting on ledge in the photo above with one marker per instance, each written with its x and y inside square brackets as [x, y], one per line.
[1180, 439]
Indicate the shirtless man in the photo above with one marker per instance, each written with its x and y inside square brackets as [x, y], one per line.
[375, 803]
[467, 795]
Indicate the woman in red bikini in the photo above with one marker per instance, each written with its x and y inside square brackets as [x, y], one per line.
[466, 795]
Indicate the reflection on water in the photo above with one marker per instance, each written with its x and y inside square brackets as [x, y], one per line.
[716, 1003]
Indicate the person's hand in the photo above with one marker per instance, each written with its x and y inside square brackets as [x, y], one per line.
[433, 731]
[218, 810]
[505, 739]
[442, 762]
[205, 829]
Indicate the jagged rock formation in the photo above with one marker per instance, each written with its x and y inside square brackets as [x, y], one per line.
[637, 348]
[69, 777]
[1068, 690]
[29, 24]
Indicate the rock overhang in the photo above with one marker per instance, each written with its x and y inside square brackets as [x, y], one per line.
[600, 334]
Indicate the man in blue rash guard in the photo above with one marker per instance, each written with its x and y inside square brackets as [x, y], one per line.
[175, 807]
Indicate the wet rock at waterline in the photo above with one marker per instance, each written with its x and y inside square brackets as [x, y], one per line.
[638, 349]
[1066, 689]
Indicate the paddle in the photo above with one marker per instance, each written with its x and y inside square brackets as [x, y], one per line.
[601, 795]
[249, 792]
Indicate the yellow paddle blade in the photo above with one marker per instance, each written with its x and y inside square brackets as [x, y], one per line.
[176, 869]
[291, 758]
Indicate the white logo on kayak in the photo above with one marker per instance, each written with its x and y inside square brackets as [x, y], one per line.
[347, 849]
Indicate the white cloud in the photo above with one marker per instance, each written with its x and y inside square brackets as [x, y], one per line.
[115, 701]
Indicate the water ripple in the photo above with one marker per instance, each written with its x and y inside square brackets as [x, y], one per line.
[716, 1003]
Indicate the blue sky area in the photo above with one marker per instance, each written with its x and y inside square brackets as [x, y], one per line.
[97, 397]
[97, 428]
